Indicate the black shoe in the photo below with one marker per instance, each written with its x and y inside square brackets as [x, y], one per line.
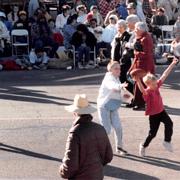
[138, 108]
[131, 105]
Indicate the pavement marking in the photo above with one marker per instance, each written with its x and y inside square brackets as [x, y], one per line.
[80, 77]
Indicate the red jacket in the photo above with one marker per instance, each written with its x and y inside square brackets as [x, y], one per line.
[145, 59]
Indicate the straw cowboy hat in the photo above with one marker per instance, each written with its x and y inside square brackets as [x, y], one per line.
[80, 105]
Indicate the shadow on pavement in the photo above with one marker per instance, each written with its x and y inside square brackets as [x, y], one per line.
[12, 149]
[28, 95]
[173, 111]
[160, 162]
[116, 172]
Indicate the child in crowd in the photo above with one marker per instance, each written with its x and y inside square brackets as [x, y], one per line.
[155, 108]
[38, 59]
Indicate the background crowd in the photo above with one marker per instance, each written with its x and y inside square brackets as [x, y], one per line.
[103, 26]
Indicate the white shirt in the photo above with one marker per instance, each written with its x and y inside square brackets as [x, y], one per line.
[4, 33]
[109, 33]
[82, 19]
[106, 91]
[132, 40]
[34, 59]
[33, 6]
[61, 20]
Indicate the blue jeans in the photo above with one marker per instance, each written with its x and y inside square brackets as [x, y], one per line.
[110, 119]
[83, 51]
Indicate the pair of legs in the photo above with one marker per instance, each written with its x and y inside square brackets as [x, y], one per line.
[111, 119]
[83, 51]
[154, 122]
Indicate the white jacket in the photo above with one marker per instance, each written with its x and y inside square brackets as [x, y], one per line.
[109, 33]
[106, 91]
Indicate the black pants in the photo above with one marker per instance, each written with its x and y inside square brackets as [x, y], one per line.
[154, 122]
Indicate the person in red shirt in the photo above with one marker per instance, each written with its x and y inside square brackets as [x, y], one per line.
[155, 108]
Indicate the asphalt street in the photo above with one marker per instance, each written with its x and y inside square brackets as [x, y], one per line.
[34, 126]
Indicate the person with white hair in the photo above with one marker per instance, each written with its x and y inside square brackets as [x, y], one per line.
[131, 21]
[143, 59]
[119, 52]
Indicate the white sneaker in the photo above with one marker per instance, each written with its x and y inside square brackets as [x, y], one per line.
[80, 66]
[88, 66]
[168, 146]
[121, 151]
[142, 150]
[91, 62]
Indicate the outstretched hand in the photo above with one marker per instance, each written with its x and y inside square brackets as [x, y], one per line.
[175, 61]
[124, 85]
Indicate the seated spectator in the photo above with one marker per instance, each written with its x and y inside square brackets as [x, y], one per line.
[82, 15]
[55, 34]
[92, 25]
[159, 19]
[22, 22]
[4, 34]
[131, 8]
[61, 19]
[95, 13]
[84, 41]
[43, 38]
[13, 15]
[108, 35]
[38, 58]
[110, 30]
[122, 9]
[69, 29]
[169, 7]
[98, 31]
[113, 12]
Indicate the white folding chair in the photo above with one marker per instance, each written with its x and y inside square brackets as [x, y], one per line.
[75, 52]
[169, 30]
[15, 35]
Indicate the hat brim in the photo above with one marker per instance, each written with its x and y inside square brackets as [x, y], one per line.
[87, 110]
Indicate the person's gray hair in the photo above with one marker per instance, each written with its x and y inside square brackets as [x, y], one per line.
[121, 22]
[132, 19]
[141, 26]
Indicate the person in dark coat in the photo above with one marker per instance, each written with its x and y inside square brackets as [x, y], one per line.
[22, 22]
[143, 59]
[84, 41]
[119, 51]
[88, 148]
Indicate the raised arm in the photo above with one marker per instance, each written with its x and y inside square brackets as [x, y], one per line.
[168, 70]
[140, 85]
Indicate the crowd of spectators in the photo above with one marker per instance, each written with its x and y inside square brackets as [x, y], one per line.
[106, 25]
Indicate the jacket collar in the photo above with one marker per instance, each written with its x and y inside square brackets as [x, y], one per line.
[83, 119]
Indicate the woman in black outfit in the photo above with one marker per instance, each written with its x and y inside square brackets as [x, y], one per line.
[119, 51]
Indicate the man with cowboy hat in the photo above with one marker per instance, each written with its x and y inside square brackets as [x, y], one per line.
[88, 148]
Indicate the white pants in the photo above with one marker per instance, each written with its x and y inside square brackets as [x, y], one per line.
[111, 119]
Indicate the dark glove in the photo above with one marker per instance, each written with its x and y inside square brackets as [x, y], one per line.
[138, 46]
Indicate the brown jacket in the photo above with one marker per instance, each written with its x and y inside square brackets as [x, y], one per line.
[87, 150]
